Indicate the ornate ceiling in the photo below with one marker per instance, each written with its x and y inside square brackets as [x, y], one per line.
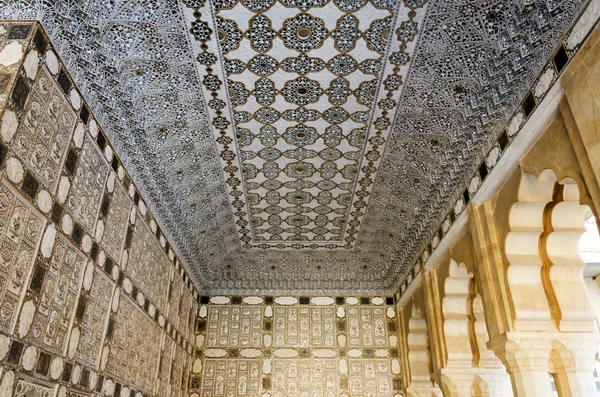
[302, 146]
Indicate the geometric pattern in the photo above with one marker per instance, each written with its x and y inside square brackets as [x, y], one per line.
[300, 111]
[302, 92]
[21, 229]
[221, 111]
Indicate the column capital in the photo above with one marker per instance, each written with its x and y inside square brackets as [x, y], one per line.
[464, 382]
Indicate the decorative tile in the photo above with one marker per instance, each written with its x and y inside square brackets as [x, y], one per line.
[115, 222]
[366, 326]
[234, 326]
[93, 324]
[85, 195]
[45, 131]
[21, 228]
[134, 348]
[300, 326]
[370, 378]
[185, 312]
[8, 72]
[164, 372]
[148, 264]
[61, 275]
[175, 297]
[177, 372]
[305, 377]
[231, 378]
[30, 386]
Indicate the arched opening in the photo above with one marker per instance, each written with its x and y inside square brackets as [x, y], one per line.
[589, 249]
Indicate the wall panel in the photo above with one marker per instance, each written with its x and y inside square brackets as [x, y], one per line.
[296, 346]
[85, 271]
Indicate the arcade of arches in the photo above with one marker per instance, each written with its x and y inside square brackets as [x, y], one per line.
[513, 298]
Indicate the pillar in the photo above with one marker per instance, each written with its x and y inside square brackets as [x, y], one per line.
[527, 364]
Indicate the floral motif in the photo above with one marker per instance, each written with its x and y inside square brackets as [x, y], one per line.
[346, 33]
[333, 136]
[342, 65]
[335, 115]
[243, 136]
[365, 93]
[269, 154]
[375, 34]
[399, 58]
[302, 91]
[371, 66]
[228, 34]
[264, 91]
[350, 5]
[407, 30]
[259, 5]
[221, 4]
[294, 29]
[263, 65]
[301, 115]
[207, 59]
[268, 135]
[302, 64]
[194, 3]
[299, 170]
[261, 34]
[267, 115]
[339, 91]
[201, 31]
[330, 154]
[238, 94]
[300, 154]
[234, 66]
[241, 117]
[298, 197]
[300, 135]
[304, 5]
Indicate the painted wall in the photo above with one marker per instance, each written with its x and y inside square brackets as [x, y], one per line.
[300, 347]
[92, 297]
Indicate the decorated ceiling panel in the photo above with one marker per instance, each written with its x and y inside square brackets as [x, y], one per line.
[301, 103]
[302, 146]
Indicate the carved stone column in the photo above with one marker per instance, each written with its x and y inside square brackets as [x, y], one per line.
[574, 366]
[526, 359]
[455, 382]
[490, 383]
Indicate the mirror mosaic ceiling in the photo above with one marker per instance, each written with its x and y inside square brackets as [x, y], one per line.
[302, 146]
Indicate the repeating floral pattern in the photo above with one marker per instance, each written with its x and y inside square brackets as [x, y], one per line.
[167, 121]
